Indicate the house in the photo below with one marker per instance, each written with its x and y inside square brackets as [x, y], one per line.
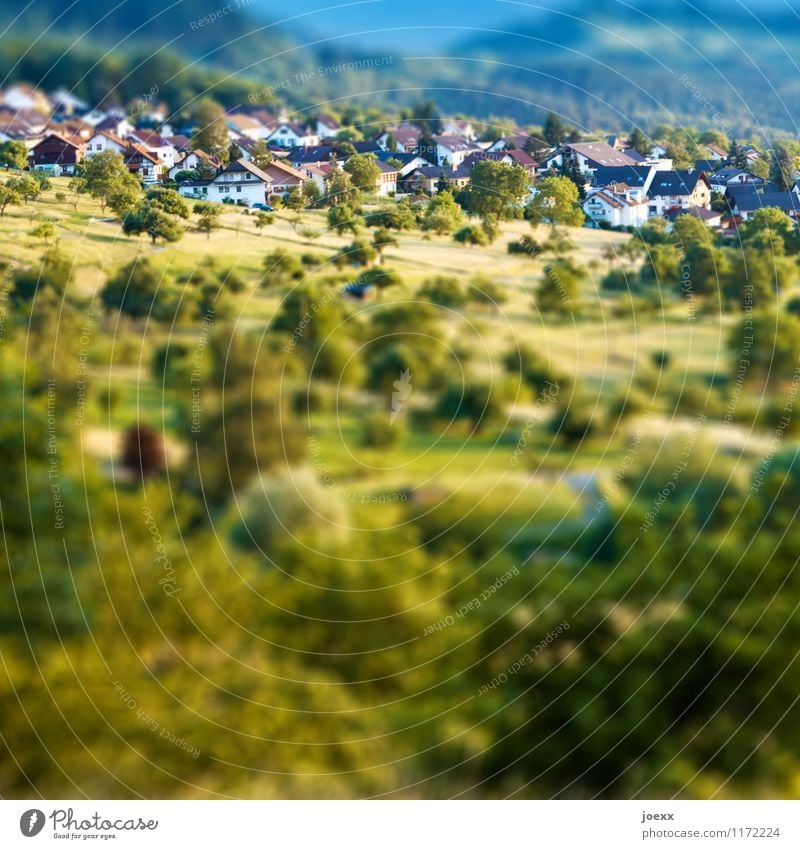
[514, 141]
[156, 145]
[115, 123]
[145, 164]
[616, 206]
[65, 103]
[386, 182]
[671, 190]
[241, 183]
[403, 138]
[588, 155]
[102, 141]
[747, 200]
[326, 127]
[242, 125]
[726, 177]
[452, 150]
[314, 174]
[191, 160]
[457, 127]
[283, 177]
[57, 154]
[634, 154]
[636, 177]
[658, 151]
[24, 96]
[311, 155]
[291, 134]
[195, 189]
[507, 157]
[181, 143]
[708, 216]
[716, 153]
[617, 142]
[408, 161]
[426, 178]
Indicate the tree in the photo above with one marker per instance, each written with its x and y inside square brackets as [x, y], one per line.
[772, 343]
[151, 219]
[496, 190]
[426, 117]
[771, 229]
[211, 134]
[737, 155]
[8, 197]
[783, 167]
[471, 235]
[380, 278]
[79, 187]
[476, 401]
[208, 217]
[52, 275]
[443, 214]
[311, 193]
[44, 230]
[356, 253]
[295, 199]
[133, 290]
[234, 152]
[678, 151]
[105, 172]
[143, 451]
[557, 202]
[13, 154]
[343, 218]
[25, 186]
[263, 219]
[261, 155]
[281, 267]
[167, 200]
[382, 239]
[186, 174]
[205, 170]
[363, 171]
[341, 189]
[559, 288]
[554, 130]
[444, 292]
[639, 142]
[124, 197]
[392, 216]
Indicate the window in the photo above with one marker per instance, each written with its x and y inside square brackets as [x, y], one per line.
[239, 189]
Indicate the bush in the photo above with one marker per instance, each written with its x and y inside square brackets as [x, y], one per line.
[443, 291]
[379, 431]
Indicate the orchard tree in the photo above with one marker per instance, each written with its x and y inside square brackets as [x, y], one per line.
[343, 218]
[105, 172]
[13, 154]
[559, 288]
[208, 215]
[143, 451]
[263, 219]
[496, 189]
[8, 197]
[556, 202]
[341, 189]
[363, 172]
[151, 219]
[382, 239]
[639, 142]
[443, 214]
[25, 186]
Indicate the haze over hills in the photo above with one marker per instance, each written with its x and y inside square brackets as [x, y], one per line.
[604, 63]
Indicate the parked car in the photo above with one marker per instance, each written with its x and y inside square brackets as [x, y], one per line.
[265, 206]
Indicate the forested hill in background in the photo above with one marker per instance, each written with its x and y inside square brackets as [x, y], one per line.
[601, 64]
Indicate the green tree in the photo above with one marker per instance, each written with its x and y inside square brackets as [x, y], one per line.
[471, 235]
[443, 291]
[363, 171]
[340, 189]
[343, 218]
[556, 202]
[496, 190]
[261, 155]
[134, 289]
[105, 172]
[639, 142]
[443, 214]
[8, 197]
[13, 154]
[25, 186]
[51, 276]
[149, 218]
[208, 215]
[559, 288]
[554, 130]
[382, 239]
[211, 134]
[44, 230]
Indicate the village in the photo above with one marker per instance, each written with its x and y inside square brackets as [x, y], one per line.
[260, 155]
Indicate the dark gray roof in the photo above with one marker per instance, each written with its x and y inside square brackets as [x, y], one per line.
[674, 182]
[634, 176]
